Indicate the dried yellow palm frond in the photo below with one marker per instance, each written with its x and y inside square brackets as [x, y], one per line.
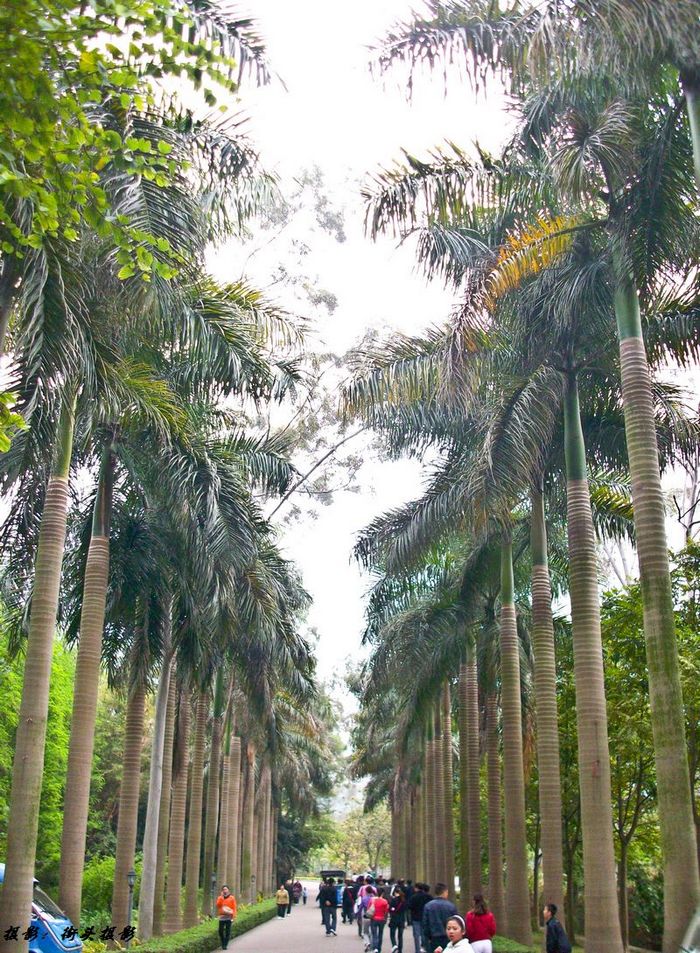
[526, 252]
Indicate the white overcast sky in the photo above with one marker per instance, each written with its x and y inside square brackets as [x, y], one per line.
[333, 114]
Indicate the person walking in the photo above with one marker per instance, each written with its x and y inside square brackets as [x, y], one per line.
[289, 887]
[378, 912]
[304, 895]
[436, 913]
[328, 898]
[456, 934]
[397, 920]
[557, 940]
[282, 901]
[481, 926]
[419, 898]
[367, 895]
[348, 901]
[226, 912]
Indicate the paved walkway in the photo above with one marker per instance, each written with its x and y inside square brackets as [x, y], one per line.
[302, 933]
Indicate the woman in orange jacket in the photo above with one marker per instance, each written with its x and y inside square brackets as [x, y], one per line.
[226, 910]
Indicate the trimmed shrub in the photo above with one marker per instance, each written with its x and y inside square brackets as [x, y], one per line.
[205, 937]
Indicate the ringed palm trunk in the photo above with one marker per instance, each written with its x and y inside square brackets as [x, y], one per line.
[394, 832]
[194, 829]
[223, 869]
[247, 845]
[473, 765]
[155, 786]
[164, 814]
[448, 790]
[495, 818]
[176, 835]
[517, 899]
[465, 821]
[439, 784]
[681, 877]
[234, 836]
[85, 692]
[419, 861]
[545, 683]
[430, 810]
[602, 926]
[241, 821]
[212, 809]
[128, 802]
[30, 740]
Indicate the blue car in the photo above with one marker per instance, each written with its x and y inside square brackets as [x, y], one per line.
[50, 923]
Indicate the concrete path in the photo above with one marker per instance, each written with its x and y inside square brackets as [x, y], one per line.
[301, 932]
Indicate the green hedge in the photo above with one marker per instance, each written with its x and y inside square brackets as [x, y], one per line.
[501, 944]
[205, 937]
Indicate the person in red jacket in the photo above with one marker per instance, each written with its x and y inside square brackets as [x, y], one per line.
[481, 926]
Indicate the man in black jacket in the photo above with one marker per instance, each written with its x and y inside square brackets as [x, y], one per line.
[419, 898]
[557, 940]
[328, 898]
[435, 917]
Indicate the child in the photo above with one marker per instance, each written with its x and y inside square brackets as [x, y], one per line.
[456, 930]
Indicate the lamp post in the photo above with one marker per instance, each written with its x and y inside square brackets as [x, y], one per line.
[131, 880]
[213, 893]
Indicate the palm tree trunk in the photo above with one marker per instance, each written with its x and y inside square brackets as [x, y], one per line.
[164, 813]
[448, 790]
[681, 876]
[495, 819]
[247, 844]
[234, 836]
[465, 821]
[223, 868]
[602, 926]
[176, 837]
[439, 785]
[128, 802]
[30, 739]
[85, 692]
[517, 896]
[155, 786]
[212, 810]
[419, 857]
[9, 279]
[410, 834]
[264, 851]
[394, 834]
[194, 828]
[430, 809]
[275, 825]
[545, 683]
[622, 894]
[690, 80]
[473, 765]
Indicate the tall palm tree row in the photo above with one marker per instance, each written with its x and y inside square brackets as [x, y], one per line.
[405, 392]
[602, 89]
[141, 379]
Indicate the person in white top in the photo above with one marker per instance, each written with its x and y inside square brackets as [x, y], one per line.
[456, 930]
